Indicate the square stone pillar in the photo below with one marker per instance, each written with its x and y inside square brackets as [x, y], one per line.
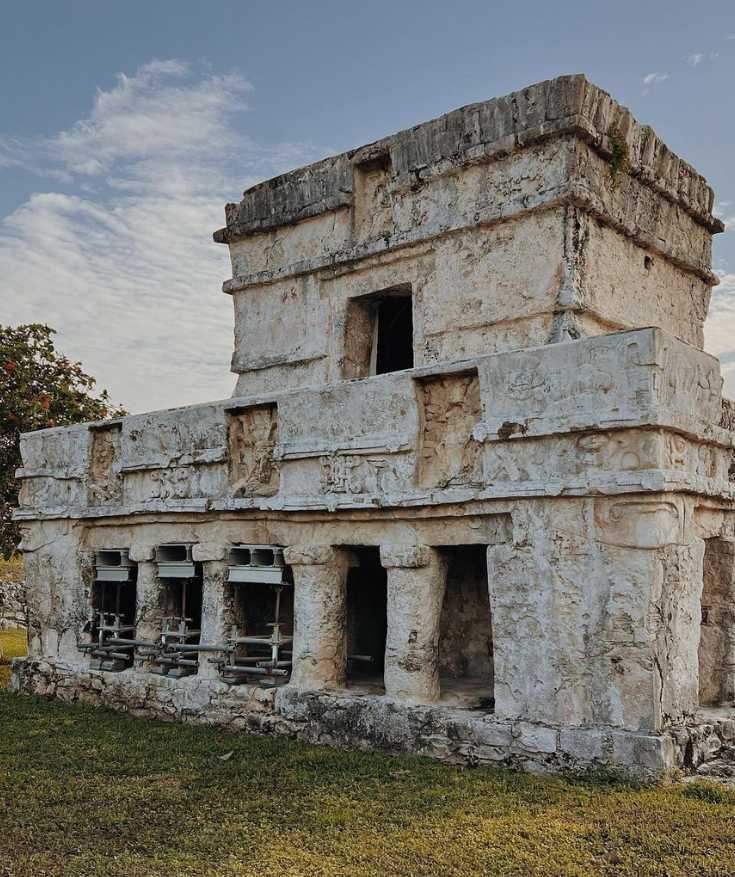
[216, 608]
[148, 610]
[320, 644]
[595, 613]
[56, 568]
[417, 578]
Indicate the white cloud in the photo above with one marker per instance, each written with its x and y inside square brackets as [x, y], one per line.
[695, 58]
[655, 78]
[124, 266]
[651, 80]
[719, 330]
[723, 210]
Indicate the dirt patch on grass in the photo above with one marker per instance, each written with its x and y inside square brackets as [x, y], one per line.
[13, 644]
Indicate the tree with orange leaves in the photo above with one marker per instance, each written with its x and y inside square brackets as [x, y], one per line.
[39, 388]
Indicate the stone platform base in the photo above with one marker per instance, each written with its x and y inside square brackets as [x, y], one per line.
[350, 721]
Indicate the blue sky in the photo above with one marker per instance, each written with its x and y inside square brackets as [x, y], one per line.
[125, 127]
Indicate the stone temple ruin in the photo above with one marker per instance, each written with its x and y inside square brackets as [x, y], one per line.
[473, 494]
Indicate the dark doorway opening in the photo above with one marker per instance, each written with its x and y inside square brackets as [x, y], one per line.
[394, 334]
[181, 625]
[378, 333]
[466, 634]
[262, 631]
[367, 620]
[113, 602]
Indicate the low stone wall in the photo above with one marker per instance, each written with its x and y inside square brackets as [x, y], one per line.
[344, 720]
[13, 605]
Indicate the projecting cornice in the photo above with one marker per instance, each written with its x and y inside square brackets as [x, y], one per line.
[475, 134]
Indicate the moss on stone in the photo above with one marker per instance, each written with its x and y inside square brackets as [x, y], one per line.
[620, 159]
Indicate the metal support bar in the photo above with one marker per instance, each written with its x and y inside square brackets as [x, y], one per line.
[262, 671]
[176, 662]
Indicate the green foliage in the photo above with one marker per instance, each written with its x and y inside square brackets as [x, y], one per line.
[84, 792]
[39, 388]
[706, 790]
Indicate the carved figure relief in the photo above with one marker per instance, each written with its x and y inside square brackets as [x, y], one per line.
[449, 455]
[629, 450]
[638, 523]
[351, 474]
[172, 483]
[104, 486]
[530, 385]
[252, 436]
[683, 377]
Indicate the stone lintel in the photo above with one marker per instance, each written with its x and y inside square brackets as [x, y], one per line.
[408, 556]
[477, 133]
[209, 551]
[309, 555]
[142, 552]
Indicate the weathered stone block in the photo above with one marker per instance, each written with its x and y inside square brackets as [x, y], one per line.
[535, 738]
[583, 745]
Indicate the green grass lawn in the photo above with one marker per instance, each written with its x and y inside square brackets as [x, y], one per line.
[87, 792]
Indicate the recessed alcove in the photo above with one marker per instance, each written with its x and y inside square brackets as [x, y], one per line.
[366, 621]
[717, 629]
[466, 635]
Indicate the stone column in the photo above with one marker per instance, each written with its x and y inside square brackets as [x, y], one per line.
[216, 612]
[148, 609]
[417, 577]
[319, 646]
[55, 567]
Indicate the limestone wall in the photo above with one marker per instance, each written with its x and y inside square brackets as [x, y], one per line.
[546, 215]
[617, 413]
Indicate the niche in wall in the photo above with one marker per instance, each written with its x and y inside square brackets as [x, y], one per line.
[372, 213]
[466, 634]
[104, 482]
[366, 620]
[450, 406]
[717, 630]
[252, 435]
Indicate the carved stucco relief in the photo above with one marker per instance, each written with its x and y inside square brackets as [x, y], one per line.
[449, 454]
[252, 436]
